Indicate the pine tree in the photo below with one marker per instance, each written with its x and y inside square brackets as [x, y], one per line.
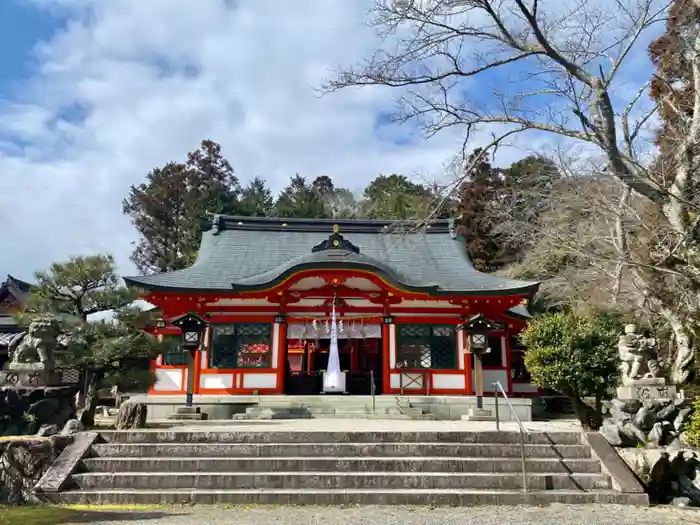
[110, 351]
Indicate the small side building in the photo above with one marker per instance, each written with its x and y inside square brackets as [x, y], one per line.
[13, 296]
[267, 287]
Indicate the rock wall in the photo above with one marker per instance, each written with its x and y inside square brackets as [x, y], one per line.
[653, 422]
[24, 411]
[23, 461]
[670, 474]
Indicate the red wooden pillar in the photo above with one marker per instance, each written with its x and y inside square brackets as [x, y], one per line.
[281, 353]
[197, 371]
[468, 365]
[386, 344]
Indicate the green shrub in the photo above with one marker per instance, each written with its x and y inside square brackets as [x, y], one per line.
[692, 427]
[576, 355]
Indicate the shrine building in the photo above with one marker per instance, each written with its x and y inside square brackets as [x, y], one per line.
[267, 287]
[13, 295]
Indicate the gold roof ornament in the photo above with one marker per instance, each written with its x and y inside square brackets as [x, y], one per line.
[336, 228]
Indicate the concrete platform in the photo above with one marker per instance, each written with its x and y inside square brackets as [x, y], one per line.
[334, 406]
[370, 425]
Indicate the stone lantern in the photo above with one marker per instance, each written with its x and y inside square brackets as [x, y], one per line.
[193, 329]
[477, 329]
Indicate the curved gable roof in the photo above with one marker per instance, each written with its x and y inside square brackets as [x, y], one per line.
[244, 253]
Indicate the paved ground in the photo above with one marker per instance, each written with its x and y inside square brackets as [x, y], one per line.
[552, 515]
[378, 425]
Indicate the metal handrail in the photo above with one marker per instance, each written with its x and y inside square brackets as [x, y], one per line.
[373, 390]
[496, 387]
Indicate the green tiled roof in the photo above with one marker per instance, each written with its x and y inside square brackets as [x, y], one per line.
[246, 253]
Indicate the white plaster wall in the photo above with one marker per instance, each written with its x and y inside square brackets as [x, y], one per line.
[392, 346]
[259, 380]
[490, 376]
[216, 381]
[204, 354]
[452, 381]
[460, 349]
[168, 379]
[275, 344]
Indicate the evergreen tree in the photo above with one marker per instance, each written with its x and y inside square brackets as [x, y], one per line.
[476, 223]
[344, 204]
[303, 200]
[169, 210]
[111, 351]
[256, 200]
[394, 197]
[525, 194]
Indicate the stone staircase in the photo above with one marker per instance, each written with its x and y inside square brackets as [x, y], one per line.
[339, 407]
[328, 468]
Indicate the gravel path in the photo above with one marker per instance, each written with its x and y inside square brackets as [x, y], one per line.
[487, 515]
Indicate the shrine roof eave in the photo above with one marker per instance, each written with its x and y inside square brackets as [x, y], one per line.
[521, 312]
[278, 278]
[17, 288]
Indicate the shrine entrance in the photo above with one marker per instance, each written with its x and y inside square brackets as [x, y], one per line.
[360, 360]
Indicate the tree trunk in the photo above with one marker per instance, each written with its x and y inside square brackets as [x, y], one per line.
[582, 412]
[86, 409]
[684, 353]
[131, 415]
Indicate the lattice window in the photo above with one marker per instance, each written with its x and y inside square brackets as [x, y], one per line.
[177, 356]
[70, 376]
[426, 346]
[240, 345]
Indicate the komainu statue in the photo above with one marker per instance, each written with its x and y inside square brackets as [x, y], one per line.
[39, 345]
[638, 354]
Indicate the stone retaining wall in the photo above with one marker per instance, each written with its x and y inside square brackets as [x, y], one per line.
[23, 461]
[670, 474]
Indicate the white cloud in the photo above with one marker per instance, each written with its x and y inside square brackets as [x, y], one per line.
[243, 76]
[150, 79]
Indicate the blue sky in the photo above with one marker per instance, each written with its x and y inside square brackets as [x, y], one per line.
[22, 26]
[95, 93]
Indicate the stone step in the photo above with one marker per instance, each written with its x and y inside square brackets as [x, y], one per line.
[237, 436]
[372, 449]
[348, 464]
[335, 480]
[358, 409]
[455, 497]
[355, 415]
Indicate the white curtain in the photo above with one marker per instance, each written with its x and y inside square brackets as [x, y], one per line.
[332, 380]
[349, 330]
